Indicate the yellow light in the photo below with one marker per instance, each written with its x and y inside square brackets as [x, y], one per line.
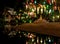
[58, 16]
[26, 6]
[19, 14]
[26, 42]
[37, 39]
[41, 11]
[22, 17]
[53, 17]
[30, 3]
[34, 42]
[43, 5]
[52, 1]
[41, 41]
[38, 10]
[55, 7]
[30, 36]
[33, 10]
[44, 8]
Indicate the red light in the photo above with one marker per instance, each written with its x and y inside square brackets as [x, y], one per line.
[32, 0]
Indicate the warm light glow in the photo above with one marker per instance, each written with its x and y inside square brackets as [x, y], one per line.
[44, 8]
[32, 40]
[41, 41]
[33, 10]
[31, 13]
[57, 16]
[22, 17]
[26, 6]
[53, 17]
[37, 39]
[54, 1]
[38, 8]
[41, 10]
[26, 42]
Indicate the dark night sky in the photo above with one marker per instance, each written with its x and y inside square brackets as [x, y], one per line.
[12, 3]
[9, 2]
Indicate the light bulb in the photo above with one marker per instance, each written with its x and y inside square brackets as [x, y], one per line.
[49, 40]
[58, 16]
[35, 2]
[32, 40]
[41, 41]
[50, 11]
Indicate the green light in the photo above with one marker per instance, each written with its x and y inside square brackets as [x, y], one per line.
[47, 6]
[30, 21]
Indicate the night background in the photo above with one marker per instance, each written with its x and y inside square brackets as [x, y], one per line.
[27, 26]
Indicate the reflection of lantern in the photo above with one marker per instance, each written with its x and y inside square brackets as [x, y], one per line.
[33, 10]
[53, 18]
[37, 39]
[26, 6]
[41, 41]
[41, 10]
[57, 16]
[38, 10]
